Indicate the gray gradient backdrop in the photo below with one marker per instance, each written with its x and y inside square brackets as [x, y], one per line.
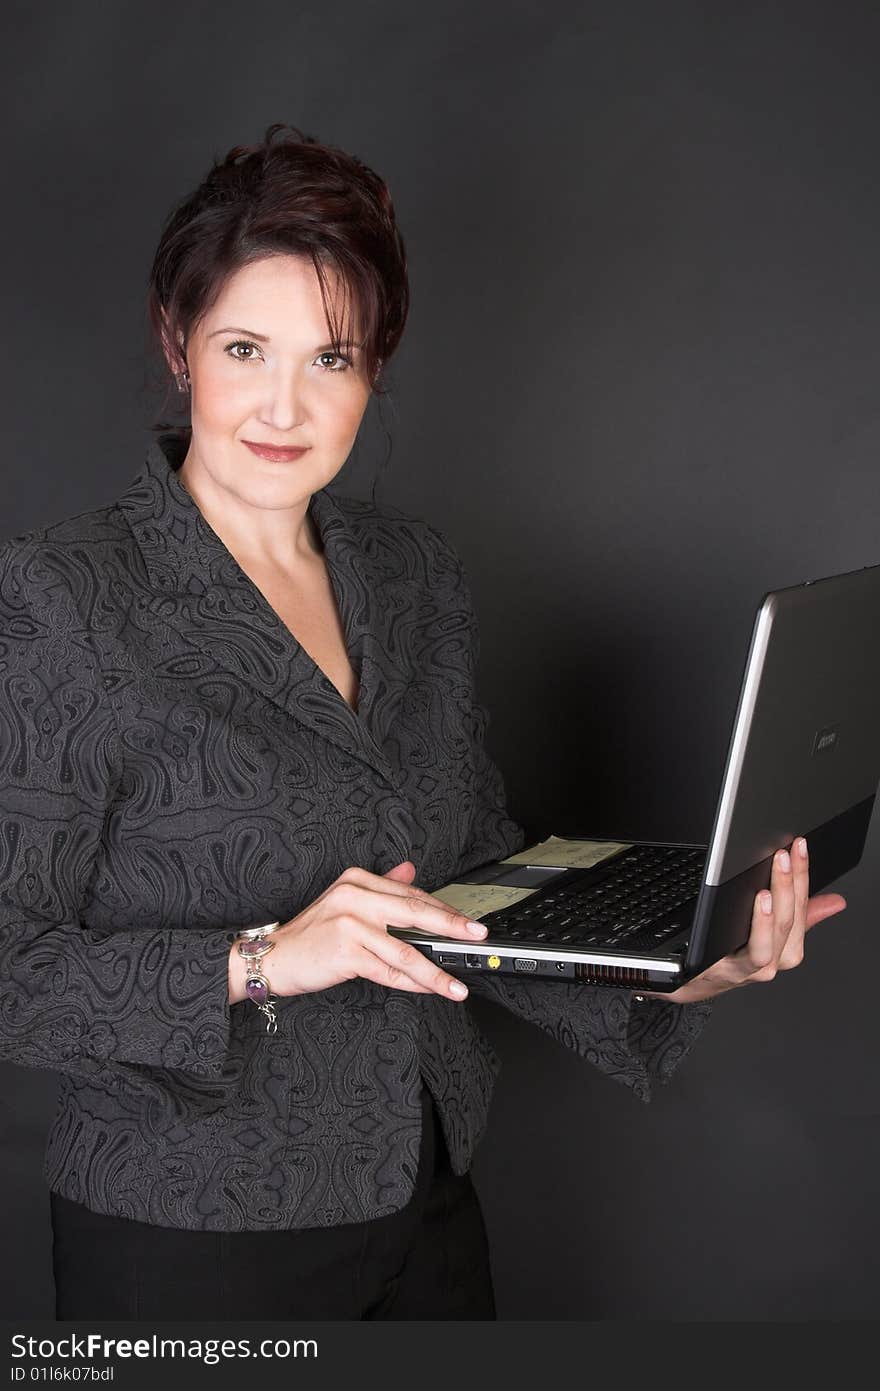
[638, 388]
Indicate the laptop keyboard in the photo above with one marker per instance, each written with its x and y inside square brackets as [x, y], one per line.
[623, 908]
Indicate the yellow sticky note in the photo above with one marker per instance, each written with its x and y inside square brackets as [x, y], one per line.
[556, 852]
[475, 899]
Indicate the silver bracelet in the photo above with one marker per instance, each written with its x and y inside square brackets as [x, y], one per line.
[252, 946]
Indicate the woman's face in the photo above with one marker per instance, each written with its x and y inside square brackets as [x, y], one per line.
[261, 369]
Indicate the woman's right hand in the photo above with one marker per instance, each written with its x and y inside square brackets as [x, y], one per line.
[343, 935]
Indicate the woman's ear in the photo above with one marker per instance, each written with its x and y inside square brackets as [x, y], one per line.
[175, 357]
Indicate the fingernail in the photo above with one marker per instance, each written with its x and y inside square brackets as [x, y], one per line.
[784, 861]
[478, 929]
[458, 989]
[766, 903]
[802, 847]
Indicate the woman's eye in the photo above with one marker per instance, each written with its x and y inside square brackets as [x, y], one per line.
[240, 343]
[344, 363]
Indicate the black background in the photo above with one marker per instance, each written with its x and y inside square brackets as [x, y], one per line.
[638, 388]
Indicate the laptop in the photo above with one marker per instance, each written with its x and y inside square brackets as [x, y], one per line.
[803, 759]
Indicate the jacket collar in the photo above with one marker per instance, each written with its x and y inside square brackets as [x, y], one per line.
[199, 588]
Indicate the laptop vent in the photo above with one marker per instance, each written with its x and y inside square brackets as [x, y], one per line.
[595, 974]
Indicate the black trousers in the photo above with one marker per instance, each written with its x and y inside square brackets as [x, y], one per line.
[430, 1260]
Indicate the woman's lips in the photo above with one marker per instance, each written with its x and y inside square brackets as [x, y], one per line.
[278, 456]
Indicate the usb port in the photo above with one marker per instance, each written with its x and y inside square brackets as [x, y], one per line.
[448, 958]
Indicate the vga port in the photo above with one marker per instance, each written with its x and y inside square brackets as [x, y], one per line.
[525, 963]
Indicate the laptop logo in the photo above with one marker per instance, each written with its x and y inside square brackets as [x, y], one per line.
[825, 739]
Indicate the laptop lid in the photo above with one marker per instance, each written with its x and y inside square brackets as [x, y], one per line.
[804, 754]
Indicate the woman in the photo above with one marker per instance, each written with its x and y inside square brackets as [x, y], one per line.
[235, 699]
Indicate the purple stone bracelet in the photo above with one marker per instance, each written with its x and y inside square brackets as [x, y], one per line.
[256, 986]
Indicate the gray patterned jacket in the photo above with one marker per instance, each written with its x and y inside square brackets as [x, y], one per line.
[174, 765]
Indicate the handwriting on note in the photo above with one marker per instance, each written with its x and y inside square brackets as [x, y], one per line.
[554, 851]
[475, 899]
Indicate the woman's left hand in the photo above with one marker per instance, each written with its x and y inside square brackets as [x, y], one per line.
[776, 940]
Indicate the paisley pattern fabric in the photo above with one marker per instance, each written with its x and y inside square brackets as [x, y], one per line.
[173, 766]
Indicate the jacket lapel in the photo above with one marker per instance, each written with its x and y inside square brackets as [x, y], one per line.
[230, 628]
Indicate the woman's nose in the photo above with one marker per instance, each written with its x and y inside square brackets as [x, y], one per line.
[286, 407]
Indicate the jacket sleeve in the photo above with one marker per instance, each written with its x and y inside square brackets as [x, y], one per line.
[635, 1042]
[71, 997]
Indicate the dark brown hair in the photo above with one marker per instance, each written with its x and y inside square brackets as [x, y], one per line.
[286, 195]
